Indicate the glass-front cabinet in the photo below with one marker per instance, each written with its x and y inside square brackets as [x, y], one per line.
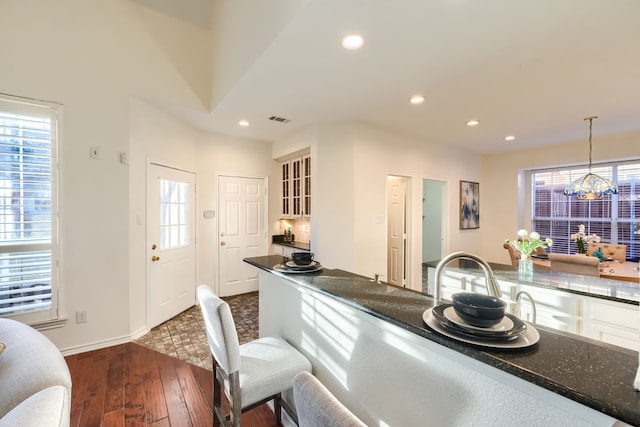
[285, 183]
[306, 188]
[295, 188]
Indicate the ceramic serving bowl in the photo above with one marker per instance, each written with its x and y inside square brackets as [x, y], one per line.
[302, 258]
[478, 309]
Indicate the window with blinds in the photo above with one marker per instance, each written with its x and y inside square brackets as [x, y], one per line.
[615, 218]
[27, 209]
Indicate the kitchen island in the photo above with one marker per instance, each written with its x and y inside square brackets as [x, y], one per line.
[598, 308]
[368, 344]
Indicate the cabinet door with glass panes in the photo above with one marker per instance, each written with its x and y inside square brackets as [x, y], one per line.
[295, 188]
[285, 184]
[306, 186]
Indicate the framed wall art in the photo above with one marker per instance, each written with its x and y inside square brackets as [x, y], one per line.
[469, 205]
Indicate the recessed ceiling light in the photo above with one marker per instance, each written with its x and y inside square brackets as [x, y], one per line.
[417, 99]
[244, 123]
[352, 41]
[473, 123]
[509, 138]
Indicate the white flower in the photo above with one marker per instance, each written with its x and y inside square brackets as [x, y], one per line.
[527, 242]
[581, 238]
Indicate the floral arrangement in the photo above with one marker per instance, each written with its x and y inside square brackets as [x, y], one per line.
[527, 242]
[581, 238]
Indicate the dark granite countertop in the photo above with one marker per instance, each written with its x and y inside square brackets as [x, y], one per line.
[609, 289]
[305, 246]
[593, 373]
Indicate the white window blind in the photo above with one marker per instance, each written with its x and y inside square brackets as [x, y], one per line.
[27, 209]
[615, 218]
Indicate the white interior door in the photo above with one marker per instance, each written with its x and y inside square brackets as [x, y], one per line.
[242, 232]
[171, 250]
[396, 230]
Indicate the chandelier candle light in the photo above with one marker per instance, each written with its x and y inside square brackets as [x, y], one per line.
[527, 244]
[590, 186]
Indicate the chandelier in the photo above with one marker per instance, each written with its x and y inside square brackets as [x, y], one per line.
[590, 186]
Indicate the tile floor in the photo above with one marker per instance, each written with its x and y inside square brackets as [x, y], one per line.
[183, 336]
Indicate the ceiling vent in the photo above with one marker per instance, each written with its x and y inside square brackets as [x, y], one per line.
[279, 119]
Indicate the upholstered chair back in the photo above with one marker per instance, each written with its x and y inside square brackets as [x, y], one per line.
[609, 250]
[576, 264]
[514, 255]
[317, 407]
[221, 330]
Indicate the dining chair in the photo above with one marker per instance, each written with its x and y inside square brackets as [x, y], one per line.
[250, 374]
[317, 407]
[514, 255]
[609, 250]
[576, 264]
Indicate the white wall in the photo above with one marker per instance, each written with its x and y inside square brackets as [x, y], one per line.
[98, 58]
[101, 58]
[499, 190]
[91, 56]
[159, 137]
[352, 161]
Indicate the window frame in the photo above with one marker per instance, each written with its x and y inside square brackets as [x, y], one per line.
[54, 111]
[610, 204]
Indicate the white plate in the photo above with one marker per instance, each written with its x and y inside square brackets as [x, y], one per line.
[284, 269]
[505, 324]
[299, 267]
[529, 338]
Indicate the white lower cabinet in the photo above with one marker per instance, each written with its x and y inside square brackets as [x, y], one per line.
[612, 322]
[282, 250]
[554, 309]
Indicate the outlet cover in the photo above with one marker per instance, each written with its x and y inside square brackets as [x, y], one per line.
[81, 316]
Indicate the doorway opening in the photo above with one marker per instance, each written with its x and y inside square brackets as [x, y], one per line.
[433, 224]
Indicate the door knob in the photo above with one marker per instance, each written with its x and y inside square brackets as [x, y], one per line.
[222, 243]
[153, 246]
[155, 258]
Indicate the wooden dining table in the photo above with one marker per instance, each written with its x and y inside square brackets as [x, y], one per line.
[626, 271]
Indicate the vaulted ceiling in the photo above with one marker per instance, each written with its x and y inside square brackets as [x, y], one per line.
[530, 69]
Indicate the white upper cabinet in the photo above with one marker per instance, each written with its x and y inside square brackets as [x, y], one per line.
[295, 188]
[306, 186]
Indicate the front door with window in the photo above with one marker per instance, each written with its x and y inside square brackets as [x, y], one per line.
[171, 250]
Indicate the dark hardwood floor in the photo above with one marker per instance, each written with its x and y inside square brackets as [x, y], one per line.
[131, 385]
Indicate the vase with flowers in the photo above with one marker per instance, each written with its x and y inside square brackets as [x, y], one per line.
[527, 243]
[582, 239]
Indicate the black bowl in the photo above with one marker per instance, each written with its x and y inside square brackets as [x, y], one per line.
[478, 309]
[302, 258]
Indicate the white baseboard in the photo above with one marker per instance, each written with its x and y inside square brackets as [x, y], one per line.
[96, 345]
